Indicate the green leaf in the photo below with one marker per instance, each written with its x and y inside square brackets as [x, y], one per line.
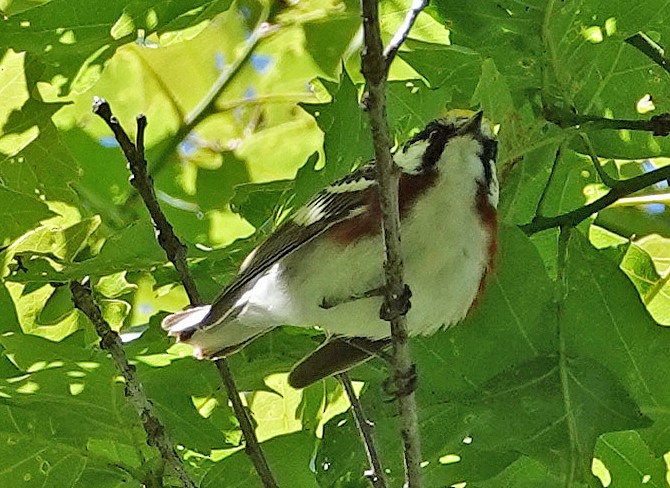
[629, 460]
[454, 67]
[83, 39]
[289, 458]
[347, 142]
[327, 39]
[20, 213]
[612, 309]
[54, 415]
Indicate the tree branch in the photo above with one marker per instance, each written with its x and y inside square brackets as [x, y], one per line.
[574, 217]
[206, 106]
[396, 302]
[659, 125]
[140, 179]
[134, 391]
[402, 33]
[649, 48]
[365, 428]
[176, 253]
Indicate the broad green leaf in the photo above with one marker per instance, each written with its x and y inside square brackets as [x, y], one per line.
[289, 458]
[81, 40]
[328, 38]
[523, 473]
[411, 105]
[347, 142]
[55, 415]
[602, 303]
[629, 460]
[657, 296]
[173, 389]
[20, 213]
[456, 68]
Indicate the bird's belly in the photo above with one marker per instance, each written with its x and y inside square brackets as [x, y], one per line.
[444, 282]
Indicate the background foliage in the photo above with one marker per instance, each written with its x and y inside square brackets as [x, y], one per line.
[559, 375]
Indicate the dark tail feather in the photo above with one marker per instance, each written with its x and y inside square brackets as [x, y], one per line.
[334, 356]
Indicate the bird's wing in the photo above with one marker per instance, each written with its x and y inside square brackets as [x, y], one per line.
[345, 199]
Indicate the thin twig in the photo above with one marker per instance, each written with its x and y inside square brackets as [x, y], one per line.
[622, 189]
[252, 446]
[176, 253]
[140, 179]
[396, 302]
[650, 49]
[376, 472]
[402, 33]
[659, 125]
[605, 178]
[207, 106]
[134, 391]
[545, 190]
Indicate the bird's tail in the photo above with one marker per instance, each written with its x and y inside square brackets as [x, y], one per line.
[214, 341]
[183, 325]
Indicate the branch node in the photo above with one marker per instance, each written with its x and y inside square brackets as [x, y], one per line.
[660, 124]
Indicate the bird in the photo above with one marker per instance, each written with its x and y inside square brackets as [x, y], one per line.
[323, 266]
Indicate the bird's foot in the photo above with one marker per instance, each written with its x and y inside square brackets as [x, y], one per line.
[402, 385]
[330, 302]
[398, 306]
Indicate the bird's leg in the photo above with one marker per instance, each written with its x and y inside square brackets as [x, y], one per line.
[330, 302]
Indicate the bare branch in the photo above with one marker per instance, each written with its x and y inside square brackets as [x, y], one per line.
[659, 125]
[140, 179]
[134, 391]
[650, 49]
[396, 303]
[620, 190]
[252, 446]
[176, 253]
[365, 428]
[402, 33]
[206, 106]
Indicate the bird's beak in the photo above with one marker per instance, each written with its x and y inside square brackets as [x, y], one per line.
[474, 125]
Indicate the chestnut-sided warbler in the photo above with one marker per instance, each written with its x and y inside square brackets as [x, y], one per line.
[323, 266]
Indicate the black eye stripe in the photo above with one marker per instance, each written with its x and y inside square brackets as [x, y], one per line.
[438, 139]
[489, 153]
[489, 149]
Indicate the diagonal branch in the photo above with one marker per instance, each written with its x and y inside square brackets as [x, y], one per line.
[659, 125]
[402, 33]
[206, 106]
[396, 302]
[134, 391]
[176, 253]
[140, 179]
[365, 428]
[574, 217]
[649, 48]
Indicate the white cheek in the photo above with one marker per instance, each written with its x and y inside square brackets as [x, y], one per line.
[494, 187]
[410, 160]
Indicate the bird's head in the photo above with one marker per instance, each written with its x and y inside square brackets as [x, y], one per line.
[461, 143]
